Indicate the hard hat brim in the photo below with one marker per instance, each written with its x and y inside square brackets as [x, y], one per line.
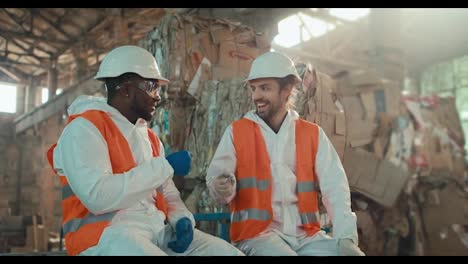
[162, 80]
[251, 78]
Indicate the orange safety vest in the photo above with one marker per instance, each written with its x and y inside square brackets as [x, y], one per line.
[251, 209]
[81, 228]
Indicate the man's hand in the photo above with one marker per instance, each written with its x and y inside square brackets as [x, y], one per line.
[224, 185]
[180, 162]
[346, 247]
[184, 235]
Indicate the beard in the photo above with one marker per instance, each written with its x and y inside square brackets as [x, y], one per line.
[268, 111]
[143, 113]
[148, 117]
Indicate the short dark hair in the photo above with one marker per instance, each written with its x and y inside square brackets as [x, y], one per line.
[112, 83]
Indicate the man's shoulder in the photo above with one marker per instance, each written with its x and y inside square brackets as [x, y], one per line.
[92, 115]
[241, 120]
[307, 123]
[244, 123]
[79, 126]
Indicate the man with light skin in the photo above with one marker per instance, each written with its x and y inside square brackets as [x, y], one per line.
[270, 166]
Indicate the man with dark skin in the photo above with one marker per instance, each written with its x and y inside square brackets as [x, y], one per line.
[118, 196]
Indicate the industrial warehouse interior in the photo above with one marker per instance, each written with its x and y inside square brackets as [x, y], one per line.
[262, 131]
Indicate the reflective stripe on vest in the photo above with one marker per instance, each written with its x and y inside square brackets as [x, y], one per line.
[74, 224]
[253, 214]
[67, 192]
[253, 183]
[310, 186]
[309, 218]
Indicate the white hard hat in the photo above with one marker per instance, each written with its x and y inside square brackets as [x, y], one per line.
[272, 65]
[126, 59]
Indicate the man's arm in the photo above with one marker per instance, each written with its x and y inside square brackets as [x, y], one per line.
[223, 163]
[176, 206]
[82, 156]
[336, 196]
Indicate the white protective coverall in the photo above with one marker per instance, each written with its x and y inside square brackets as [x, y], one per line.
[284, 236]
[138, 226]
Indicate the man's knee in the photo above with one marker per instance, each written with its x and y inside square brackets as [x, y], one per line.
[208, 245]
[269, 245]
[319, 247]
[119, 242]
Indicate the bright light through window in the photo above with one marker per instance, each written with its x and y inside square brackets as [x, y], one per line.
[464, 115]
[45, 93]
[316, 27]
[350, 14]
[290, 29]
[7, 98]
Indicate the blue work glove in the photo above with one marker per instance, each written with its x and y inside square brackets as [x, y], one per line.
[184, 235]
[180, 162]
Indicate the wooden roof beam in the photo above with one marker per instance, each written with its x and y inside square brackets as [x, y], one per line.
[82, 37]
[325, 16]
[30, 50]
[15, 74]
[310, 55]
[8, 62]
[25, 54]
[32, 36]
[25, 49]
[53, 24]
[15, 19]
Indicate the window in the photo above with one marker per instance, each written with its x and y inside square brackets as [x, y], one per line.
[464, 116]
[350, 14]
[300, 27]
[7, 98]
[45, 94]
